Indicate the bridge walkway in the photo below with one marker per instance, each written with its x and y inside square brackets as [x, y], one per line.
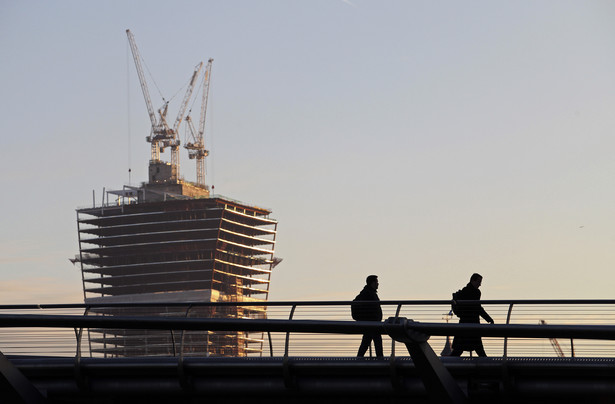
[411, 372]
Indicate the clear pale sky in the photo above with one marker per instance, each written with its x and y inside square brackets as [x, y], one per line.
[417, 140]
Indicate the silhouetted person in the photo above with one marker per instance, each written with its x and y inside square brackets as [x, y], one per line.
[370, 312]
[469, 313]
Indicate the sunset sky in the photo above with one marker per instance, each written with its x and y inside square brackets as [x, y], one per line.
[420, 141]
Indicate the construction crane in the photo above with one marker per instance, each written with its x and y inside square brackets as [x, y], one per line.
[555, 344]
[196, 145]
[162, 135]
[157, 128]
[174, 143]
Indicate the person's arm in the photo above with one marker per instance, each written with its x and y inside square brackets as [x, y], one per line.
[486, 316]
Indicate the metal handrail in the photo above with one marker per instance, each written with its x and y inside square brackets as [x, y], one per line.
[604, 332]
[306, 303]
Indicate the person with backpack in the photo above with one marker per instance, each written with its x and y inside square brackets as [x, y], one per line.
[469, 313]
[364, 310]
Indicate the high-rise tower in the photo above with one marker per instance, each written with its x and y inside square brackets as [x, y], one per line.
[169, 240]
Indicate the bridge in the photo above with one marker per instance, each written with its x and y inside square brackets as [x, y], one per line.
[542, 351]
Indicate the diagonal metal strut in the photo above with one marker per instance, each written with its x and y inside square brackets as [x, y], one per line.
[439, 383]
[19, 384]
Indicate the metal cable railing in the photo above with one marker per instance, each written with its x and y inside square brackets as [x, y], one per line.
[61, 341]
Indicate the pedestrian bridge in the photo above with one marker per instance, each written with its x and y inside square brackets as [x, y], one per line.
[539, 351]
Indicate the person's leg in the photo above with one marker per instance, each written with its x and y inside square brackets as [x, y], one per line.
[365, 342]
[480, 350]
[378, 345]
[456, 345]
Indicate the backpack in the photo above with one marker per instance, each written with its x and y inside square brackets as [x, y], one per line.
[357, 309]
[454, 305]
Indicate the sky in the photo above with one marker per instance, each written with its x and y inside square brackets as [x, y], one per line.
[420, 141]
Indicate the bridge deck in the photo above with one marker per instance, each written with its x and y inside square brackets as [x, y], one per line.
[48, 354]
[306, 379]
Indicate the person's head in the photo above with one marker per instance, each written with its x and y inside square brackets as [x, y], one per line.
[372, 281]
[476, 280]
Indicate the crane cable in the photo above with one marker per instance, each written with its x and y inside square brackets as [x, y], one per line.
[128, 122]
[152, 78]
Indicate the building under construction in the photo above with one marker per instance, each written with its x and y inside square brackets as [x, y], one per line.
[170, 241]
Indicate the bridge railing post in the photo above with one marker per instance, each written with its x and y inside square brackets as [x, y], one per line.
[181, 346]
[397, 311]
[79, 337]
[81, 381]
[286, 343]
[510, 307]
[270, 344]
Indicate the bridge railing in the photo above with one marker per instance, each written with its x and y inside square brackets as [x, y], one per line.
[62, 341]
[555, 312]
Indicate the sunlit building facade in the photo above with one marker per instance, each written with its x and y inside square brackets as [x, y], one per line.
[159, 245]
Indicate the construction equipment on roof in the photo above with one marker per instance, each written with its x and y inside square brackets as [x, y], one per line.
[162, 135]
[196, 147]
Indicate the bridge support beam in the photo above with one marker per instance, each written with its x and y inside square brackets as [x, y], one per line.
[439, 383]
[19, 386]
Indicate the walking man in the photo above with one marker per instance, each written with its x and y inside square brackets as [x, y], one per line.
[370, 312]
[469, 313]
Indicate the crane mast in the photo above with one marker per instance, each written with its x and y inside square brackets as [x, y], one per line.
[196, 148]
[174, 143]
